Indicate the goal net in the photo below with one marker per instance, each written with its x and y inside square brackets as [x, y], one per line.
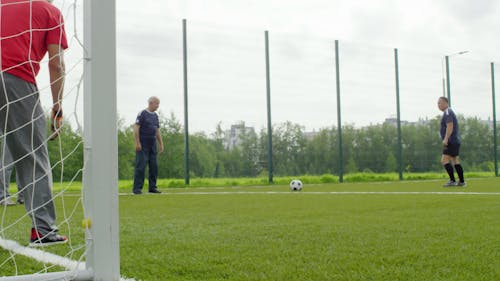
[77, 188]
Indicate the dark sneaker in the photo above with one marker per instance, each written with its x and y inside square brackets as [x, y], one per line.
[461, 184]
[20, 201]
[154, 191]
[137, 192]
[38, 240]
[450, 184]
[7, 202]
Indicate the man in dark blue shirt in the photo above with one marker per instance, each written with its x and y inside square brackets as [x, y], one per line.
[147, 133]
[451, 144]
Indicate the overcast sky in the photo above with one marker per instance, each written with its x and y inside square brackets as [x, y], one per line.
[227, 63]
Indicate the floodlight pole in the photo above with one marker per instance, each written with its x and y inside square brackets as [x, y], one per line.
[443, 76]
[445, 63]
[400, 149]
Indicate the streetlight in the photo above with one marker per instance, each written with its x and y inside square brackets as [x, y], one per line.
[445, 76]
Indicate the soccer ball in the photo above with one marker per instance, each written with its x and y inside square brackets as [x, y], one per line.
[296, 185]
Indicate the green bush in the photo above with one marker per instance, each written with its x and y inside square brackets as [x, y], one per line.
[175, 183]
[328, 178]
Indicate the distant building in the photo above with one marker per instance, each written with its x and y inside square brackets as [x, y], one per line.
[310, 135]
[233, 137]
[394, 121]
[421, 121]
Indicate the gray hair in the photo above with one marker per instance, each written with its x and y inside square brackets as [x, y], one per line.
[152, 99]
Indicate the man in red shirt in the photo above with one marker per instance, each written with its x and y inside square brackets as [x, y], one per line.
[29, 30]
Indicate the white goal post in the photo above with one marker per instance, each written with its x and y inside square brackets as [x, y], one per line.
[100, 176]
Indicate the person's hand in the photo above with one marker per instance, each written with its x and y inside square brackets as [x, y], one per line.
[56, 119]
[445, 142]
[161, 148]
[56, 107]
[138, 147]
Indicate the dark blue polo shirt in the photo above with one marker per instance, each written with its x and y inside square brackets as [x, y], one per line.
[449, 116]
[148, 125]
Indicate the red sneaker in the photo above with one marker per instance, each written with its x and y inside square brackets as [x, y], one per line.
[38, 240]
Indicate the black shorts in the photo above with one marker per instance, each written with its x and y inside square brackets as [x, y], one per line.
[452, 149]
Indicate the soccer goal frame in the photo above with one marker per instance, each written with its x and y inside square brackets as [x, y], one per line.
[100, 171]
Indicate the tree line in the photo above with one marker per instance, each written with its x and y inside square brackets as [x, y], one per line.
[367, 149]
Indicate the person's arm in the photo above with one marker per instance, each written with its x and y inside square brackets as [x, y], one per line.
[449, 131]
[56, 72]
[138, 146]
[159, 139]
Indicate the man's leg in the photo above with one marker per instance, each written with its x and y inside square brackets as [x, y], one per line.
[8, 176]
[445, 160]
[6, 168]
[20, 190]
[153, 171]
[26, 141]
[459, 169]
[3, 116]
[4, 180]
[140, 167]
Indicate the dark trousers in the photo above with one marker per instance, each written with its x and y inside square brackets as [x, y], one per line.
[143, 158]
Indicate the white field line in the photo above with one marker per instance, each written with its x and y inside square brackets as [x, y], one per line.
[45, 257]
[321, 193]
[40, 255]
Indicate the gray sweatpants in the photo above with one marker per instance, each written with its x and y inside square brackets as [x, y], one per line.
[6, 167]
[23, 129]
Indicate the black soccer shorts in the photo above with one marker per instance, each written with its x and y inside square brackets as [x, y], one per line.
[452, 149]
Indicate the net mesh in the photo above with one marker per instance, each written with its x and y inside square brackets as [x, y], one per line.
[65, 153]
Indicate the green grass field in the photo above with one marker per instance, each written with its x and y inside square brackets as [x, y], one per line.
[350, 231]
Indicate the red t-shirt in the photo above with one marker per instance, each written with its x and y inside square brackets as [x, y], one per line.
[24, 38]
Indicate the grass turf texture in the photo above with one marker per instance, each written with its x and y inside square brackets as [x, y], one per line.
[270, 233]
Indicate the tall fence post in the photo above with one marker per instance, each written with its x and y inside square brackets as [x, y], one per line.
[495, 144]
[186, 117]
[269, 122]
[339, 114]
[400, 152]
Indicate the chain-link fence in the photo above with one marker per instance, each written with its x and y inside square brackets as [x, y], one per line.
[226, 85]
